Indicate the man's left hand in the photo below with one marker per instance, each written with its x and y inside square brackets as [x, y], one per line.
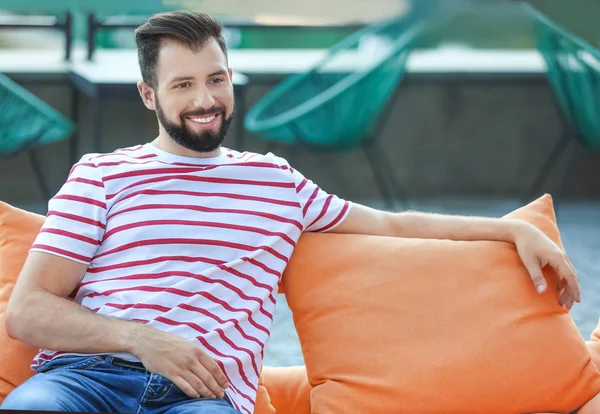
[537, 251]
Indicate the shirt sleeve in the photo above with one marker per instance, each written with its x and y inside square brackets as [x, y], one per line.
[76, 218]
[321, 211]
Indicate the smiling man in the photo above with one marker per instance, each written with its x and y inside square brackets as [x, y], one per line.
[198, 123]
[152, 284]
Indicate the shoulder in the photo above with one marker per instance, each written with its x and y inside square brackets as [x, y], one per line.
[257, 159]
[99, 161]
[137, 152]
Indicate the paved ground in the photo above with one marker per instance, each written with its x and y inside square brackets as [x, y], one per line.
[579, 223]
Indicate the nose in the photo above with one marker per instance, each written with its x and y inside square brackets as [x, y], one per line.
[203, 99]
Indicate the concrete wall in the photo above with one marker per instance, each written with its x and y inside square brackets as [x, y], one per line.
[452, 137]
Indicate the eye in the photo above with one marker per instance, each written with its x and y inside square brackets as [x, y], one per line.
[183, 85]
[217, 80]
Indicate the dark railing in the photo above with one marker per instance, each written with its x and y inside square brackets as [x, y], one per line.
[95, 24]
[63, 23]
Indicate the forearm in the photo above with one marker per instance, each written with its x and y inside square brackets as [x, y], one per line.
[437, 226]
[48, 321]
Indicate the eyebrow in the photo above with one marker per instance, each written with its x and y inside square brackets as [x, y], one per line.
[187, 78]
[181, 79]
[219, 72]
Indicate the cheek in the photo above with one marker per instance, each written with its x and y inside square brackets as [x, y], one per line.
[228, 102]
[174, 107]
[226, 99]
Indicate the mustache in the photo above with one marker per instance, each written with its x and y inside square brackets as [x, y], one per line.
[203, 112]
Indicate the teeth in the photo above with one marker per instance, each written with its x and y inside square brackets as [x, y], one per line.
[203, 120]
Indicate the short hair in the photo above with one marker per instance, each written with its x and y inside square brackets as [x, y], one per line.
[190, 28]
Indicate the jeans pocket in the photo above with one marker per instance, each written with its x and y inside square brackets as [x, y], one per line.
[70, 363]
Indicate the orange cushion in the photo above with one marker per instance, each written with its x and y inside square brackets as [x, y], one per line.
[427, 326]
[288, 389]
[18, 230]
[594, 346]
[263, 399]
[594, 350]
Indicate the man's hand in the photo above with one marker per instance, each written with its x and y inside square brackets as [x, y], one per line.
[537, 251]
[181, 361]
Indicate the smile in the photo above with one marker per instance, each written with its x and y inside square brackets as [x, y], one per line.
[204, 121]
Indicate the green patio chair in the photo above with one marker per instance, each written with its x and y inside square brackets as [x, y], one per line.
[342, 103]
[26, 122]
[573, 70]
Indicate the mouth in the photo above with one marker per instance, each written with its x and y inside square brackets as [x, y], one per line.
[204, 121]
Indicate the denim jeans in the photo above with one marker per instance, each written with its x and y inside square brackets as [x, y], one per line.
[96, 384]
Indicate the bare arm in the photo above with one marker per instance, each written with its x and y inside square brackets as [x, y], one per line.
[40, 313]
[534, 247]
[413, 224]
[591, 407]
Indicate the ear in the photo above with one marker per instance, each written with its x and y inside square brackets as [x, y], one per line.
[147, 95]
[230, 73]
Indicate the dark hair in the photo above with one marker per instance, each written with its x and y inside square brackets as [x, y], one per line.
[190, 28]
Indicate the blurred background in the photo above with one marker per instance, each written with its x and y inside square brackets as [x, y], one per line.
[455, 106]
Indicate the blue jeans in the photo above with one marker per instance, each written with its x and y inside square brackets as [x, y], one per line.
[96, 384]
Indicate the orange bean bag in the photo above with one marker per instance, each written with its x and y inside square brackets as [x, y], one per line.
[391, 325]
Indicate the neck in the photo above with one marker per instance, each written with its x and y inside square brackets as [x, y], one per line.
[165, 143]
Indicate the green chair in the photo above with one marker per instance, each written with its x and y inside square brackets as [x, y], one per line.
[573, 70]
[26, 122]
[343, 101]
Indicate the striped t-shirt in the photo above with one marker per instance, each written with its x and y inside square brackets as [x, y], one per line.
[192, 246]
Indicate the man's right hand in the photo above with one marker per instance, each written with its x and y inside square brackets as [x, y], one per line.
[179, 360]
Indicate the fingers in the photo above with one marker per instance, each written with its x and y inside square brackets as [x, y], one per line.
[561, 264]
[561, 285]
[185, 387]
[196, 381]
[566, 272]
[204, 382]
[566, 300]
[561, 289]
[568, 285]
[213, 368]
[535, 271]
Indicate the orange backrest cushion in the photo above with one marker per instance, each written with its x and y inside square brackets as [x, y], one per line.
[18, 229]
[392, 325]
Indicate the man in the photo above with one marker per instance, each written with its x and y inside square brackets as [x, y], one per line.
[172, 250]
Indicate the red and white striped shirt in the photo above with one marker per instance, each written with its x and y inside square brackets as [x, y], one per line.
[192, 246]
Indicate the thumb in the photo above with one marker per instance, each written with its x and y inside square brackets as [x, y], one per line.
[535, 271]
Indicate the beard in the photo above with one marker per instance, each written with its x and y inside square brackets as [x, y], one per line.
[205, 141]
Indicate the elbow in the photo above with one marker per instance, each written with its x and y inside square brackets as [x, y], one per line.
[12, 323]
[16, 326]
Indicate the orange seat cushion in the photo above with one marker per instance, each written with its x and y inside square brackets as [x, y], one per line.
[263, 399]
[288, 389]
[392, 325]
[593, 345]
[18, 229]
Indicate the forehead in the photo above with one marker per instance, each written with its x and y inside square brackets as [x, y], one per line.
[176, 59]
